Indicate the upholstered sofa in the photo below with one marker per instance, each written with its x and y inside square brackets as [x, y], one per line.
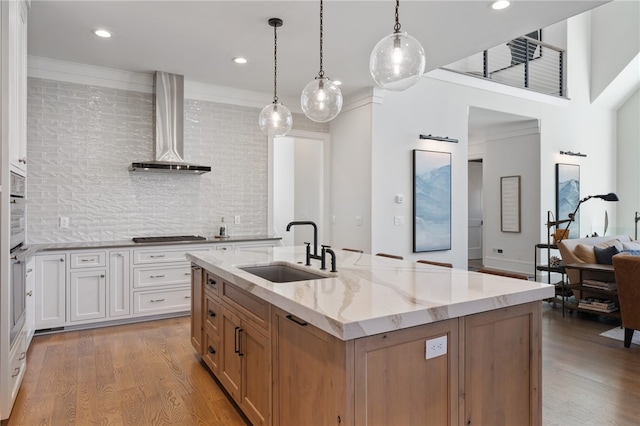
[580, 250]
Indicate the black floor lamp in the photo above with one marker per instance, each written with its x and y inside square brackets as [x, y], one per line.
[572, 216]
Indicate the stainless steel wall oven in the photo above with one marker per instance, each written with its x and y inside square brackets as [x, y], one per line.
[17, 289]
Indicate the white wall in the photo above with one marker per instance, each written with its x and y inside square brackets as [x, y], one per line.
[309, 188]
[628, 169]
[439, 105]
[502, 147]
[283, 188]
[615, 39]
[351, 186]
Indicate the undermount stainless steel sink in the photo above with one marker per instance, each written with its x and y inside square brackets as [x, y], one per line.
[281, 273]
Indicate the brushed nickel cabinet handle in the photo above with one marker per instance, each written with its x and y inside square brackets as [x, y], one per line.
[156, 300]
[157, 255]
[30, 293]
[101, 275]
[23, 355]
[16, 372]
[22, 160]
[156, 276]
[187, 297]
[87, 260]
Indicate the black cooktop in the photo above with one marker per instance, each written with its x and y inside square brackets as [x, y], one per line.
[171, 239]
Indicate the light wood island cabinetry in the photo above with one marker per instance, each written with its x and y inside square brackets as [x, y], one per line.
[281, 368]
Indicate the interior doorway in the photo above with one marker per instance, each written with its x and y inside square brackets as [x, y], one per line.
[475, 213]
[300, 186]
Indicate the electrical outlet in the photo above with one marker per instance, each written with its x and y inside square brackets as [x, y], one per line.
[236, 220]
[435, 347]
[64, 222]
[497, 251]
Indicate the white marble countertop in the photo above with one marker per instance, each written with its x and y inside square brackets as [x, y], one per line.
[371, 294]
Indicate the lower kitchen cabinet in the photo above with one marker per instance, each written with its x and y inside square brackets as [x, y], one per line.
[392, 367]
[308, 373]
[377, 380]
[50, 303]
[119, 283]
[197, 304]
[245, 366]
[87, 295]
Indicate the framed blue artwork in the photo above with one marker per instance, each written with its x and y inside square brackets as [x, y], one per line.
[568, 196]
[431, 201]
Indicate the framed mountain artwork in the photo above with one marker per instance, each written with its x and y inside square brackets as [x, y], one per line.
[431, 201]
[568, 196]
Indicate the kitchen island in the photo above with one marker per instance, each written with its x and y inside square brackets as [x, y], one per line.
[382, 341]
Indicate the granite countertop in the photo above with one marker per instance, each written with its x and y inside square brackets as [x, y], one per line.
[371, 294]
[83, 245]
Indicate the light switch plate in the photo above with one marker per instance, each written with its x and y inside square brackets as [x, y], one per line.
[398, 220]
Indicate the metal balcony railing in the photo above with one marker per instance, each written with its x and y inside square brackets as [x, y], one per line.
[523, 62]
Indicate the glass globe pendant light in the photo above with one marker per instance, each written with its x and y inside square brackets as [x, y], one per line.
[321, 99]
[398, 61]
[275, 119]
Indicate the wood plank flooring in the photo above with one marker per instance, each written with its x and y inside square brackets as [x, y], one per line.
[148, 374]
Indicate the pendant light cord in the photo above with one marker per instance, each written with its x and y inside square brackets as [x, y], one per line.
[321, 73]
[396, 27]
[275, 64]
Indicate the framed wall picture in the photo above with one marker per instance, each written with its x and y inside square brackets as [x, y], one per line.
[431, 201]
[568, 195]
[510, 204]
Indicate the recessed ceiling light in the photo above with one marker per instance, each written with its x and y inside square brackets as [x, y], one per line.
[102, 33]
[500, 4]
[240, 60]
[337, 82]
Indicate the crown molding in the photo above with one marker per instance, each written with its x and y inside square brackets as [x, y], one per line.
[70, 72]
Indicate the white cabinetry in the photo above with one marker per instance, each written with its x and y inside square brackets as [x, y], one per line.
[79, 287]
[87, 292]
[30, 304]
[119, 283]
[50, 290]
[162, 279]
[16, 11]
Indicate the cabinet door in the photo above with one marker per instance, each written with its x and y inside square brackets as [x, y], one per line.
[119, 283]
[308, 374]
[503, 354]
[87, 295]
[197, 319]
[17, 77]
[396, 385]
[230, 356]
[50, 291]
[256, 375]
[30, 307]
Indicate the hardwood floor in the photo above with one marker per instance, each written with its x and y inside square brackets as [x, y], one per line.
[137, 374]
[148, 374]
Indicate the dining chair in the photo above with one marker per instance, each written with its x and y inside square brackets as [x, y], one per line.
[503, 273]
[353, 250]
[392, 256]
[431, 262]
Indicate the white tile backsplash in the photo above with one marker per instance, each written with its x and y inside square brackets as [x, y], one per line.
[81, 140]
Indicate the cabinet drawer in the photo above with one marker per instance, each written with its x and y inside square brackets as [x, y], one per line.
[162, 301]
[211, 350]
[212, 284]
[161, 276]
[253, 308]
[212, 315]
[88, 260]
[18, 363]
[141, 257]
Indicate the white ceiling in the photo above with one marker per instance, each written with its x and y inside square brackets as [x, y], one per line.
[199, 38]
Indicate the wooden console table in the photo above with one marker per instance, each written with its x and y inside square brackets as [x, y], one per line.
[604, 273]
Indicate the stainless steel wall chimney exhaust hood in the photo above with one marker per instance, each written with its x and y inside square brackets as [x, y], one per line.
[168, 149]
